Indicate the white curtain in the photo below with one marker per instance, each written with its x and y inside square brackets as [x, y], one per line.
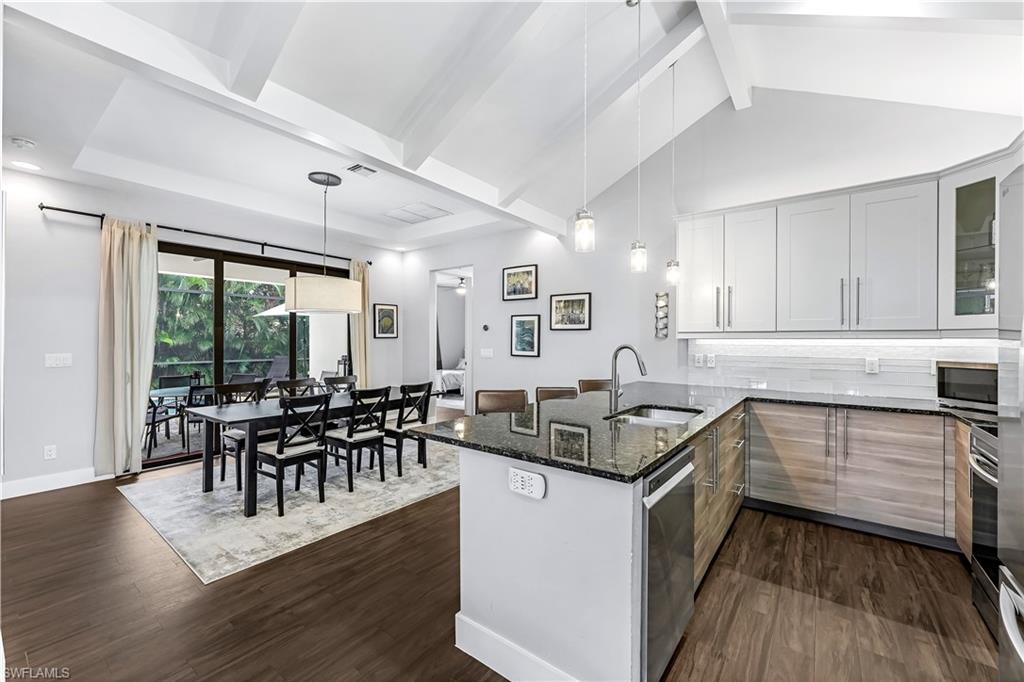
[360, 272]
[127, 324]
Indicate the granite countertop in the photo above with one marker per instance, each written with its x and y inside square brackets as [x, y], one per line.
[575, 434]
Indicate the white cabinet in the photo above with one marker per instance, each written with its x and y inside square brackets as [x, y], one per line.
[893, 245]
[813, 284]
[968, 235]
[750, 271]
[699, 247]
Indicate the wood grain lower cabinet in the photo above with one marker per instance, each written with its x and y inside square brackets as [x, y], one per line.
[891, 469]
[791, 459]
[719, 462]
[964, 505]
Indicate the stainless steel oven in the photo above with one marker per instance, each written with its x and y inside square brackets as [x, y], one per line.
[968, 385]
[984, 486]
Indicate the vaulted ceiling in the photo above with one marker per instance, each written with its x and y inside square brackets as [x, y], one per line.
[470, 112]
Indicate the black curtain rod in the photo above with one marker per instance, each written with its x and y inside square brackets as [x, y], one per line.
[262, 245]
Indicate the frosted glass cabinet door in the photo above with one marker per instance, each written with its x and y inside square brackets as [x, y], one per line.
[968, 237]
[750, 271]
[893, 245]
[699, 294]
[814, 265]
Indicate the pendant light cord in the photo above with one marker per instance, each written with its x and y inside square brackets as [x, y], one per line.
[325, 230]
[673, 150]
[638, 120]
[585, 97]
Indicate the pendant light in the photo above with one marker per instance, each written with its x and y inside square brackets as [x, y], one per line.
[584, 234]
[672, 266]
[638, 249]
[320, 293]
[461, 289]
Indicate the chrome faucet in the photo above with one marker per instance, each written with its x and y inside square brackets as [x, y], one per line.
[613, 401]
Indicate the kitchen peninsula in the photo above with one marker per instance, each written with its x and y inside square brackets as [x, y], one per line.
[572, 583]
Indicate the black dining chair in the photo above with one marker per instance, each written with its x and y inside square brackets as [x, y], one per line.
[233, 440]
[297, 387]
[367, 416]
[156, 415]
[414, 411]
[199, 395]
[300, 441]
[341, 384]
[171, 381]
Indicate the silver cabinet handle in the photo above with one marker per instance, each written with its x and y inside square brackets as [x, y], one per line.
[842, 302]
[738, 490]
[846, 435]
[828, 447]
[718, 307]
[664, 490]
[740, 443]
[728, 306]
[740, 416]
[975, 464]
[858, 301]
[1011, 605]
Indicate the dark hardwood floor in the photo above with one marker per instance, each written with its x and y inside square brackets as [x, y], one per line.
[87, 584]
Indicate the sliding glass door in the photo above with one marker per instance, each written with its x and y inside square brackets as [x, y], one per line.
[221, 318]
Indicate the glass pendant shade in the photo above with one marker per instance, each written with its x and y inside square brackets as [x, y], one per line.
[638, 257]
[584, 235]
[322, 294]
[672, 272]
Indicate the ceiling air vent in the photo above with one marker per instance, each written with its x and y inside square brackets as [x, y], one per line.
[360, 169]
[417, 213]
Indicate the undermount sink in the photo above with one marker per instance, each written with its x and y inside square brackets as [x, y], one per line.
[655, 415]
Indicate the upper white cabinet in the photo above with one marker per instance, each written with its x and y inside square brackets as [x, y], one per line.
[893, 244]
[814, 265]
[699, 247]
[750, 271]
[968, 235]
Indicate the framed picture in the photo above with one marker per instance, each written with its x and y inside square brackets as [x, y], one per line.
[385, 321]
[570, 443]
[519, 282]
[524, 422]
[569, 311]
[525, 336]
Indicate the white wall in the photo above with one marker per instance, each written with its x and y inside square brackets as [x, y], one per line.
[52, 296]
[451, 326]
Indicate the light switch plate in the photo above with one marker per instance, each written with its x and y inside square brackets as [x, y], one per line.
[526, 483]
[711, 360]
[49, 452]
[487, 352]
[871, 365]
[698, 359]
[51, 360]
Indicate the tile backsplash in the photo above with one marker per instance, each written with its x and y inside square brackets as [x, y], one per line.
[905, 367]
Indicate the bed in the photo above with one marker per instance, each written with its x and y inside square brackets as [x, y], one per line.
[449, 380]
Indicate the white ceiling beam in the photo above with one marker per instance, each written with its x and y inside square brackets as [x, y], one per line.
[958, 17]
[717, 25]
[120, 38]
[653, 63]
[255, 34]
[454, 91]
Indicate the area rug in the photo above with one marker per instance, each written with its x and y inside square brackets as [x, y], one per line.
[211, 535]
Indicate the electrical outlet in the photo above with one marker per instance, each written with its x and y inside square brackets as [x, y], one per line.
[526, 483]
[711, 360]
[49, 452]
[51, 360]
[487, 352]
[65, 359]
[871, 365]
[698, 359]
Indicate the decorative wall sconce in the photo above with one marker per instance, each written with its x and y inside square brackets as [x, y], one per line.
[661, 315]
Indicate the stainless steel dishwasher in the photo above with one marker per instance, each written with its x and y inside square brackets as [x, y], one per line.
[668, 561]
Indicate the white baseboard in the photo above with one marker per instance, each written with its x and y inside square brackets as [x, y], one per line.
[506, 658]
[40, 484]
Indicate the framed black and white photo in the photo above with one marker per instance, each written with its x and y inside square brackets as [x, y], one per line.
[385, 321]
[525, 336]
[569, 311]
[569, 443]
[524, 422]
[519, 282]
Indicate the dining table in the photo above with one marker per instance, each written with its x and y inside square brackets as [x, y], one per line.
[253, 417]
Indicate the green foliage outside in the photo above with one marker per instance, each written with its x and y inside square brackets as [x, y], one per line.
[184, 328]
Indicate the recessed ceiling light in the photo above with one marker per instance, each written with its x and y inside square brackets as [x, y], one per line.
[25, 165]
[23, 143]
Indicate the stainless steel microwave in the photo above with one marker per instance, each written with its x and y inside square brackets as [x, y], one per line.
[970, 385]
